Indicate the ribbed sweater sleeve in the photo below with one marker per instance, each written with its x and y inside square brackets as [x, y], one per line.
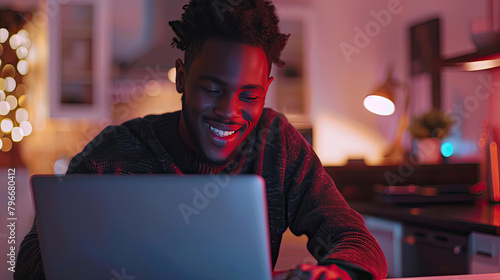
[336, 233]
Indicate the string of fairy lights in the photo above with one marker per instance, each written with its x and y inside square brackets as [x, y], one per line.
[14, 124]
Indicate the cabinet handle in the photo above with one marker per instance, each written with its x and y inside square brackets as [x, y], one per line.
[483, 254]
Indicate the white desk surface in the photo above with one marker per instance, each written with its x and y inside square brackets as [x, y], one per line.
[489, 276]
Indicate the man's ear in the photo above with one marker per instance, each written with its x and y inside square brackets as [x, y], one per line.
[269, 81]
[180, 77]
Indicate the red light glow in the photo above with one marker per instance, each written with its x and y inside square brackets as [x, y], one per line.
[495, 171]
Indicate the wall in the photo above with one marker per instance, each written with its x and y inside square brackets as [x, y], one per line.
[343, 128]
[339, 80]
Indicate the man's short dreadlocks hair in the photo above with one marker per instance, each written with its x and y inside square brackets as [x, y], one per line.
[251, 22]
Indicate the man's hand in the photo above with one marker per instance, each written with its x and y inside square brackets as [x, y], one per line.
[313, 272]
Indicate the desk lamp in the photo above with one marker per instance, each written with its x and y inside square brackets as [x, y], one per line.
[381, 102]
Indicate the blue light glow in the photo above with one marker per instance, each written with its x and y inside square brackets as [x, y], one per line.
[447, 149]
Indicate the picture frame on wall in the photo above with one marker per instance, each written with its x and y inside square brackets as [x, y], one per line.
[425, 66]
[80, 59]
[290, 92]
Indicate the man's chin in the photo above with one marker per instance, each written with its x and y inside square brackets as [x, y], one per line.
[218, 159]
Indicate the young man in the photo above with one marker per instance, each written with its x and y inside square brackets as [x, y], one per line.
[223, 127]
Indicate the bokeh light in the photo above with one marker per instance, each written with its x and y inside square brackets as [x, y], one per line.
[4, 35]
[172, 73]
[12, 100]
[22, 101]
[21, 89]
[4, 108]
[17, 134]
[22, 52]
[7, 144]
[23, 33]
[8, 71]
[21, 115]
[23, 67]
[11, 84]
[15, 41]
[3, 84]
[152, 88]
[61, 166]
[26, 127]
[6, 125]
[447, 149]
[12, 94]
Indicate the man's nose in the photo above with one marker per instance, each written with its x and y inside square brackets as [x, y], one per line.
[227, 106]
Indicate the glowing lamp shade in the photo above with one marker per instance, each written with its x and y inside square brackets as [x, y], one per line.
[381, 101]
[379, 105]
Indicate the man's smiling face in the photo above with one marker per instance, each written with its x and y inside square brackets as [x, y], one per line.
[224, 93]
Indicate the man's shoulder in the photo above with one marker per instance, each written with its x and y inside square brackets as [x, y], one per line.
[131, 132]
[277, 122]
[268, 113]
[270, 117]
[148, 121]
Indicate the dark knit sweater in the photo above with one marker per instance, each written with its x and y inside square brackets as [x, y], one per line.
[301, 195]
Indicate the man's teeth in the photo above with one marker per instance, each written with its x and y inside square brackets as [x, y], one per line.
[221, 133]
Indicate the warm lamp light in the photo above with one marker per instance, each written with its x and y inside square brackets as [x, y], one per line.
[172, 73]
[381, 102]
[481, 64]
[379, 105]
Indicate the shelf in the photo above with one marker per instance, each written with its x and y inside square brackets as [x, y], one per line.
[479, 60]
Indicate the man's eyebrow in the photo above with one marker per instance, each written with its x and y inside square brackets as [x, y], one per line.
[213, 79]
[222, 83]
[253, 87]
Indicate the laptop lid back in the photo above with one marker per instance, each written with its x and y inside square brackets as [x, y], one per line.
[153, 226]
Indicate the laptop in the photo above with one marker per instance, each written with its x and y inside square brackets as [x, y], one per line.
[152, 226]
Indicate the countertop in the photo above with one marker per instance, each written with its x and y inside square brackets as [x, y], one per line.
[483, 217]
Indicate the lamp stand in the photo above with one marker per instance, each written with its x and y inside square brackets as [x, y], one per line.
[396, 153]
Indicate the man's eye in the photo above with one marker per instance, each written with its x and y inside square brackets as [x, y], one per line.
[248, 98]
[212, 91]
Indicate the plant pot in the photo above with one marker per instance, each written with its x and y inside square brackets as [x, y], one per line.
[429, 151]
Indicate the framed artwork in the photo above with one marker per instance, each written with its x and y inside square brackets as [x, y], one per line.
[425, 63]
[291, 90]
[80, 59]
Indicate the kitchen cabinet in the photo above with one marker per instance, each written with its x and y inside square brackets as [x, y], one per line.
[435, 239]
[388, 234]
[484, 252]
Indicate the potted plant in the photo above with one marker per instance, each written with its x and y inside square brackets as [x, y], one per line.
[428, 129]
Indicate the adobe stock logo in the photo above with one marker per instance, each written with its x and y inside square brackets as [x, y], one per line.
[363, 37]
[201, 198]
